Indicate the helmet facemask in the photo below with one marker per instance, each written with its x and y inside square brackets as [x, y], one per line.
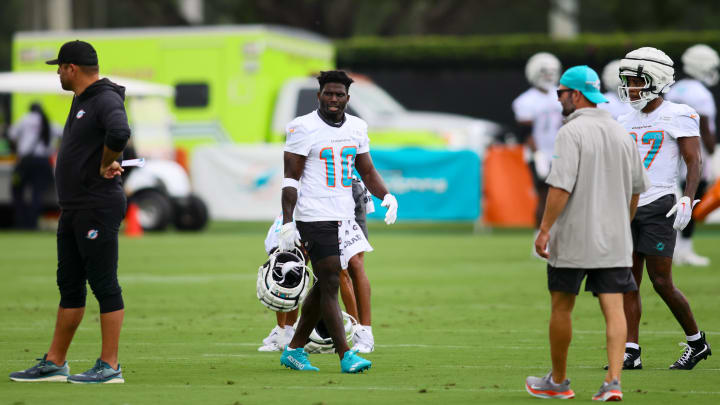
[647, 92]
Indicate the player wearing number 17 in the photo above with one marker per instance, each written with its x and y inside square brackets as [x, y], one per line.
[321, 152]
[664, 132]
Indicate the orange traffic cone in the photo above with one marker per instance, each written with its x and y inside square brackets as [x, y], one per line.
[709, 202]
[133, 228]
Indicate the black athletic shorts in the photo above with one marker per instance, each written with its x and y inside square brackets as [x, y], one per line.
[87, 249]
[320, 239]
[599, 281]
[652, 231]
[361, 201]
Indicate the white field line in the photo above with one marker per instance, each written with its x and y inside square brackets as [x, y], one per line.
[393, 389]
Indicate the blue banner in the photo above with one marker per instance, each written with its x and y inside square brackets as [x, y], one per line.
[430, 184]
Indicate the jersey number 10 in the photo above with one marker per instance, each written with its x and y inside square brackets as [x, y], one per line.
[347, 161]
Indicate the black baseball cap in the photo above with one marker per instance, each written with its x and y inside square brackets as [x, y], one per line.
[76, 52]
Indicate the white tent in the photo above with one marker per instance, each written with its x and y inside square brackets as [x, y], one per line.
[49, 83]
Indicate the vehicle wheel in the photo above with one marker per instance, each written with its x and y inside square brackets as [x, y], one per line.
[155, 210]
[191, 213]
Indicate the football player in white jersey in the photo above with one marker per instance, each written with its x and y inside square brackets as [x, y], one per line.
[354, 284]
[539, 116]
[611, 82]
[665, 133]
[700, 64]
[321, 152]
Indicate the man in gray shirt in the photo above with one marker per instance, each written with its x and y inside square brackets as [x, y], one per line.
[595, 179]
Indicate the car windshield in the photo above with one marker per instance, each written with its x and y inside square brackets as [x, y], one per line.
[374, 99]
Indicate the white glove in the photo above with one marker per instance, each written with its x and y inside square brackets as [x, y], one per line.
[683, 212]
[288, 237]
[390, 202]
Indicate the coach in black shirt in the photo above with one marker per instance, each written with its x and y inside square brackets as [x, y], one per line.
[93, 205]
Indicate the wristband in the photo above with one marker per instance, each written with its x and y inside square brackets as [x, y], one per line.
[292, 183]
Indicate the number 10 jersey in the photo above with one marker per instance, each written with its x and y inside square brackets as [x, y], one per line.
[656, 136]
[325, 192]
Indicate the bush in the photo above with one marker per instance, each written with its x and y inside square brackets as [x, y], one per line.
[502, 51]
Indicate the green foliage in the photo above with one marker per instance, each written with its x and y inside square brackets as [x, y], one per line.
[458, 319]
[500, 51]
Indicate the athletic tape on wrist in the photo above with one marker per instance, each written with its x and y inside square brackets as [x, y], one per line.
[288, 182]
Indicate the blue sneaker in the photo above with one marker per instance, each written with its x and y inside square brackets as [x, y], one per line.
[101, 373]
[296, 359]
[352, 363]
[45, 370]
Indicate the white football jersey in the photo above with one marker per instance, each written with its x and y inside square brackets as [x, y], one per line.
[656, 136]
[545, 113]
[325, 192]
[693, 93]
[614, 106]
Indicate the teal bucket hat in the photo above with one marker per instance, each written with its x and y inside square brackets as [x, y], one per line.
[586, 81]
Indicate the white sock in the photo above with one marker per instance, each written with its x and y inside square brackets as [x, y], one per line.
[288, 328]
[631, 345]
[694, 337]
[367, 328]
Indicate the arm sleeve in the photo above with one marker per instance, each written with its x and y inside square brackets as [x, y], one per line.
[114, 119]
[364, 142]
[522, 108]
[297, 139]
[685, 125]
[564, 166]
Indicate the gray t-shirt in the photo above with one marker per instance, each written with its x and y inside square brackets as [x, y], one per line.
[598, 163]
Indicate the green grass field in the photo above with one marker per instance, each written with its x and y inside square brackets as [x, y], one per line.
[458, 318]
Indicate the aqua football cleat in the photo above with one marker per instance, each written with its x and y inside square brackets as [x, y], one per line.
[352, 363]
[296, 359]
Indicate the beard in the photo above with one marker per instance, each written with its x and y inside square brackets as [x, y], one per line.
[65, 84]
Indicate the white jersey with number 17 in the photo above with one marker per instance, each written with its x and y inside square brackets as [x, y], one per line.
[325, 192]
[656, 135]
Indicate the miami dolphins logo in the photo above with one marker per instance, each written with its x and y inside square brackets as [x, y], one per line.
[92, 234]
[660, 246]
[80, 114]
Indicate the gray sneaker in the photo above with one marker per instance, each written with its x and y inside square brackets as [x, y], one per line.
[101, 373]
[544, 387]
[45, 370]
[609, 392]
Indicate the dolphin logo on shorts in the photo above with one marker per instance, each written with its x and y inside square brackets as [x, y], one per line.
[92, 234]
[660, 246]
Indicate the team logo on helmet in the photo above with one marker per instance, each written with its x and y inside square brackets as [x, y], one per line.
[283, 281]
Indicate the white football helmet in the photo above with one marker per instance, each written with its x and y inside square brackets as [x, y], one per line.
[283, 281]
[650, 64]
[543, 71]
[701, 62]
[611, 76]
[320, 340]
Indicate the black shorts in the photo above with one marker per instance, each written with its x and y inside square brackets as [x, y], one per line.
[599, 281]
[361, 201]
[320, 239]
[652, 231]
[87, 249]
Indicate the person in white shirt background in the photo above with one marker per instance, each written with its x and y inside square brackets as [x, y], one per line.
[34, 140]
[700, 64]
[611, 82]
[539, 116]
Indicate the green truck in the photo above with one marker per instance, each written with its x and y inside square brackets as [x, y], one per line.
[240, 84]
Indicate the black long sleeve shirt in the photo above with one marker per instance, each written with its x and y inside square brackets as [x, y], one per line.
[97, 118]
